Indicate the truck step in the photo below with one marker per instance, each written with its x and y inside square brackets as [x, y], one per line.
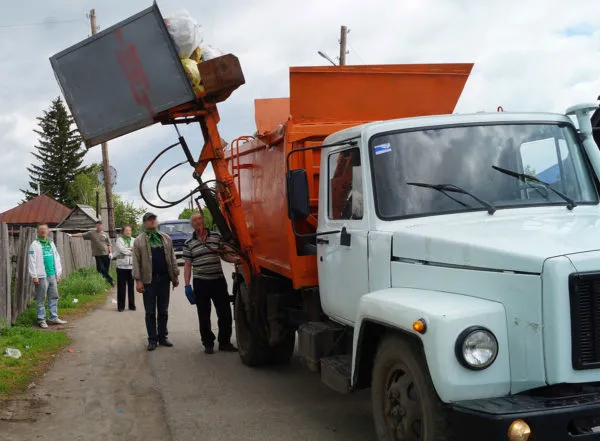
[319, 339]
[336, 371]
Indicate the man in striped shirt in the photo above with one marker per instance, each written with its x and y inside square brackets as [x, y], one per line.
[209, 284]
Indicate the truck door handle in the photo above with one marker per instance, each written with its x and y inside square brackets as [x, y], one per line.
[345, 238]
[323, 241]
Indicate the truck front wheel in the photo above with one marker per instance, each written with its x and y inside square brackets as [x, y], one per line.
[405, 404]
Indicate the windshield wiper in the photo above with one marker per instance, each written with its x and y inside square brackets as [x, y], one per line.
[443, 188]
[524, 177]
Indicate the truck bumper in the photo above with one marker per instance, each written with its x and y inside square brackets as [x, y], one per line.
[555, 418]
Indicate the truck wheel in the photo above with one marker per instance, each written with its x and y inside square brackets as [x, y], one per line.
[282, 353]
[250, 347]
[405, 404]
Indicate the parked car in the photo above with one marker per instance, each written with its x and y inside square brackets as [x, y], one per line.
[179, 231]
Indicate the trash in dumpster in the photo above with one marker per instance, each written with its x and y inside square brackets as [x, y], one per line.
[191, 69]
[197, 55]
[186, 32]
[12, 353]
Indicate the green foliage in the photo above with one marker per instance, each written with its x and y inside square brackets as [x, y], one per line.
[85, 186]
[208, 219]
[126, 213]
[59, 155]
[187, 213]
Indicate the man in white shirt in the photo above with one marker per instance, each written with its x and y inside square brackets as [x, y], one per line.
[124, 247]
[45, 269]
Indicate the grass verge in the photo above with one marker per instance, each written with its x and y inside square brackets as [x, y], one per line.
[37, 346]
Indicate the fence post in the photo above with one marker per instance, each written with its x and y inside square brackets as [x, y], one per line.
[5, 276]
[23, 283]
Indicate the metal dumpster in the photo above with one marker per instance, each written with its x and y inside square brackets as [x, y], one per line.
[118, 80]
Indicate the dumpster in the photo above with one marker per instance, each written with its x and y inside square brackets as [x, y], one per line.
[120, 79]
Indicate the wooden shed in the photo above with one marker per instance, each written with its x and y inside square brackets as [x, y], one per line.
[81, 218]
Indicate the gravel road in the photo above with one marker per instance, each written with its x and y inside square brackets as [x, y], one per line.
[110, 388]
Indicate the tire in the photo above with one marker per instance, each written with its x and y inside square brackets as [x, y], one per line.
[281, 354]
[251, 349]
[405, 404]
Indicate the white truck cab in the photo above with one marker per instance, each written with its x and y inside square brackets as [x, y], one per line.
[466, 259]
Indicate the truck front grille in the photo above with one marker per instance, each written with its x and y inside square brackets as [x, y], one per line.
[584, 293]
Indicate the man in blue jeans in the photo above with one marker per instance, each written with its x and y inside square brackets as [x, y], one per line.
[45, 270]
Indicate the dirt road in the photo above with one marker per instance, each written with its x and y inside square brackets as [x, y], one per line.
[110, 388]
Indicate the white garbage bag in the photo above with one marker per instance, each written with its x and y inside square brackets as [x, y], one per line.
[209, 52]
[186, 32]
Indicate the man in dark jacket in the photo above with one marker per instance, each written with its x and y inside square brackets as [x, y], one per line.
[154, 269]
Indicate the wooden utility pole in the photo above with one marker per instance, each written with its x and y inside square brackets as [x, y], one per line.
[343, 50]
[105, 161]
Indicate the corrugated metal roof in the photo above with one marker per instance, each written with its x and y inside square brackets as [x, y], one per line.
[40, 209]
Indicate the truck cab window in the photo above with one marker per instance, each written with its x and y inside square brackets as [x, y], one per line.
[549, 160]
[464, 156]
[345, 185]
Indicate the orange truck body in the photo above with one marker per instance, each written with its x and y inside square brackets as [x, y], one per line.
[323, 100]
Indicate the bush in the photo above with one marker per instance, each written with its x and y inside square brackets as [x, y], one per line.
[82, 285]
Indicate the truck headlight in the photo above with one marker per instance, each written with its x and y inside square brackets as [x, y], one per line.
[476, 348]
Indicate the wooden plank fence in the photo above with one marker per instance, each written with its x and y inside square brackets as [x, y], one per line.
[5, 275]
[75, 253]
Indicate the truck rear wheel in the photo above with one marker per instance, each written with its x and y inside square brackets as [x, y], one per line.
[405, 404]
[282, 353]
[250, 347]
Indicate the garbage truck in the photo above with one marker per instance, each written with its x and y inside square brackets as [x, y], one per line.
[448, 262]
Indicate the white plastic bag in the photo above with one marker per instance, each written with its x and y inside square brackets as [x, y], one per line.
[209, 52]
[12, 353]
[186, 32]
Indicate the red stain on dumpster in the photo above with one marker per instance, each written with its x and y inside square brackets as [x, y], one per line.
[134, 71]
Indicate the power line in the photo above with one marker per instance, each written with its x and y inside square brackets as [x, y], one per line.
[41, 23]
[357, 54]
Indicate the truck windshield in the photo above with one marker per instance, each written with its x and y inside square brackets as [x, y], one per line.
[464, 156]
[176, 228]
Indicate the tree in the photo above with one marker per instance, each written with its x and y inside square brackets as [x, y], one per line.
[208, 220]
[86, 185]
[59, 155]
[126, 213]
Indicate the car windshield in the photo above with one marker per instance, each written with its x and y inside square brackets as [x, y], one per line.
[176, 228]
[465, 156]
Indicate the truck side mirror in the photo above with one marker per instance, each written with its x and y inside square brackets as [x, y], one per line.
[297, 194]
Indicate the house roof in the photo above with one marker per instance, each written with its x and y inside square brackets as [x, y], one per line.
[85, 209]
[39, 209]
[90, 211]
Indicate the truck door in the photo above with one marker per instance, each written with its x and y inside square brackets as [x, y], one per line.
[342, 257]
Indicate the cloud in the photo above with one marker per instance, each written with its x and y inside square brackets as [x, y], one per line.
[540, 55]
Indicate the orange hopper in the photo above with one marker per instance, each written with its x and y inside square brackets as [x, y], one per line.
[323, 100]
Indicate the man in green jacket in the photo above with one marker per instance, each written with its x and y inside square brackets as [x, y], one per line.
[154, 269]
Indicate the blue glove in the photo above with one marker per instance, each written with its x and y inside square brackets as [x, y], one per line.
[189, 293]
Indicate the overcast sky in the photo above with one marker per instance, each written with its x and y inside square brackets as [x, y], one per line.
[529, 55]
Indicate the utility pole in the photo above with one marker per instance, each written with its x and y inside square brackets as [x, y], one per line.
[105, 162]
[343, 50]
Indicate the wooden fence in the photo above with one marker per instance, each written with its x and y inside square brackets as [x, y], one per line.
[75, 253]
